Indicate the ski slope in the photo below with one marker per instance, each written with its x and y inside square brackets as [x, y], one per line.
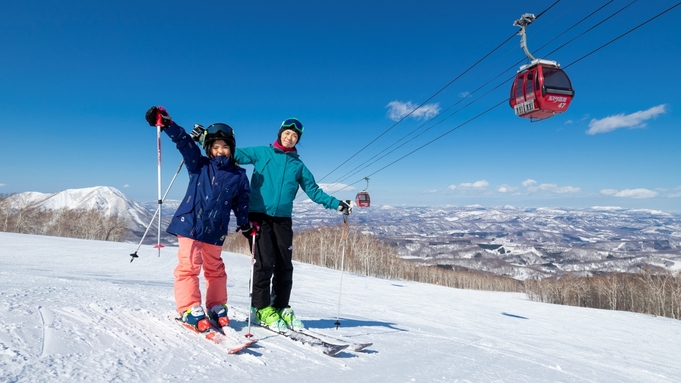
[79, 311]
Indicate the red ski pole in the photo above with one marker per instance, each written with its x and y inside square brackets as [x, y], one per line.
[159, 125]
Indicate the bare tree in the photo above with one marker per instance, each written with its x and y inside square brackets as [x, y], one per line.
[648, 291]
[74, 223]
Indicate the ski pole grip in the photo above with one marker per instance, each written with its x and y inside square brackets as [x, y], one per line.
[255, 229]
[349, 202]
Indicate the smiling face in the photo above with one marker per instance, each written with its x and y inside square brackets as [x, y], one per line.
[289, 138]
[220, 148]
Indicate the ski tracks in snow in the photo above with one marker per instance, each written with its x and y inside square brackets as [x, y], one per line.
[46, 320]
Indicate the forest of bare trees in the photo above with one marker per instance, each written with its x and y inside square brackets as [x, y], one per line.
[367, 255]
[72, 223]
[648, 291]
[644, 292]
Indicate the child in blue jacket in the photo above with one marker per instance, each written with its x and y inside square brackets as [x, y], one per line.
[216, 187]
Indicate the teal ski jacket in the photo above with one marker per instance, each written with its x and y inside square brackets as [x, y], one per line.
[276, 178]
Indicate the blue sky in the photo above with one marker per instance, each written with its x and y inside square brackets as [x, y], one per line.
[78, 76]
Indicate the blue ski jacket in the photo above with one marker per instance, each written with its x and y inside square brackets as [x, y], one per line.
[276, 178]
[216, 186]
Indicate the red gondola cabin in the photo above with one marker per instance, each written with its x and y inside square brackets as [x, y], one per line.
[541, 90]
[362, 199]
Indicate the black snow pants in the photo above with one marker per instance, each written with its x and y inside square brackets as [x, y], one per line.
[273, 253]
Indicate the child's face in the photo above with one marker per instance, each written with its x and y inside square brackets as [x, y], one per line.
[220, 148]
[289, 138]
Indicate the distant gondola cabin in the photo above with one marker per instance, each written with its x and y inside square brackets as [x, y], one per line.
[541, 90]
[362, 199]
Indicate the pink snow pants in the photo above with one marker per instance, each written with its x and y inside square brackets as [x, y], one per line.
[191, 256]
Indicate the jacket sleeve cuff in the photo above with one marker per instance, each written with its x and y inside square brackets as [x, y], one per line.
[173, 131]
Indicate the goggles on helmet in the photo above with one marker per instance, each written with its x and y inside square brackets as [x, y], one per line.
[216, 131]
[220, 128]
[293, 123]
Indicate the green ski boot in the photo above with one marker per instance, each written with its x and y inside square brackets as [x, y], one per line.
[269, 317]
[289, 317]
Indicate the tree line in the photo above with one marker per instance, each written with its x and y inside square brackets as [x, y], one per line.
[649, 291]
[72, 223]
[367, 255]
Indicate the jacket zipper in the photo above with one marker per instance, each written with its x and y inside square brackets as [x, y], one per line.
[281, 185]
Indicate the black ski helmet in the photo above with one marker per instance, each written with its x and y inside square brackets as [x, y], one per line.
[219, 131]
[291, 124]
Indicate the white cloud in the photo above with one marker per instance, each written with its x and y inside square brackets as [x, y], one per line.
[532, 187]
[507, 189]
[675, 195]
[631, 121]
[556, 189]
[397, 110]
[432, 191]
[529, 182]
[582, 119]
[465, 94]
[1, 185]
[334, 187]
[553, 188]
[630, 193]
[477, 185]
[126, 186]
[470, 186]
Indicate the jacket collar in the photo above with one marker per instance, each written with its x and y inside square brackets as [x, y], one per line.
[221, 161]
[283, 148]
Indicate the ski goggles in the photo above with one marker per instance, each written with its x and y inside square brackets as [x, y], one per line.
[293, 123]
[220, 127]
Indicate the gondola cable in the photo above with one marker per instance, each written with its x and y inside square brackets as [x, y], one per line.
[624, 34]
[433, 95]
[423, 131]
[503, 101]
[419, 106]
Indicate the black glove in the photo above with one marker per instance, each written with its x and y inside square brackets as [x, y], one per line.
[197, 132]
[158, 116]
[345, 207]
[246, 229]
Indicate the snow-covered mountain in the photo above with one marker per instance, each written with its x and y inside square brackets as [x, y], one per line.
[517, 242]
[79, 311]
[520, 243]
[108, 200]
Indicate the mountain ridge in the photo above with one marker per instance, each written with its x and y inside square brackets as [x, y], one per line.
[517, 242]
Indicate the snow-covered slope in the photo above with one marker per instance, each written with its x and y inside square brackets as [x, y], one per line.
[79, 311]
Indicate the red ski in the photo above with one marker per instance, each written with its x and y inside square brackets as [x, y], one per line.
[215, 335]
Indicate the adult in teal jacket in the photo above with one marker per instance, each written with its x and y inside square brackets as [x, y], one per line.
[278, 171]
